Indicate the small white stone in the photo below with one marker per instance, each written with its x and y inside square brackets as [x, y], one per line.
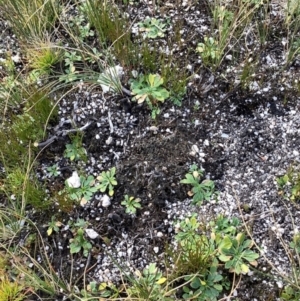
[97, 137]
[159, 234]
[206, 142]
[16, 58]
[129, 251]
[189, 67]
[269, 59]
[295, 153]
[74, 180]
[153, 128]
[195, 148]
[166, 115]
[253, 86]
[225, 136]
[109, 140]
[284, 40]
[134, 73]
[156, 249]
[91, 233]
[105, 201]
[279, 284]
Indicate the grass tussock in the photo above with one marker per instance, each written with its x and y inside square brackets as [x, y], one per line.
[30, 19]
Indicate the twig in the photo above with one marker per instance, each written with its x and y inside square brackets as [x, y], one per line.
[233, 288]
[126, 91]
[47, 142]
[86, 269]
[111, 126]
[62, 133]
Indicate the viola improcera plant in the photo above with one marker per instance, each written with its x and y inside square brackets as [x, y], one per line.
[149, 88]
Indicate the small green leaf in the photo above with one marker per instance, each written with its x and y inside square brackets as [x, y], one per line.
[74, 248]
[218, 287]
[189, 179]
[240, 237]
[196, 283]
[151, 79]
[140, 98]
[254, 263]
[244, 268]
[102, 188]
[225, 243]
[102, 286]
[224, 258]
[218, 278]
[114, 182]
[250, 255]
[161, 280]
[152, 268]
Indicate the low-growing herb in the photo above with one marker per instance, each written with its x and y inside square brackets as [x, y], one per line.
[295, 244]
[109, 290]
[153, 28]
[149, 88]
[289, 184]
[53, 170]
[131, 204]
[107, 181]
[236, 253]
[71, 58]
[54, 225]
[290, 293]
[70, 71]
[75, 151]
[81, 27]
[79, 242]
[202, 190]
[148, 285]
[204, 287]
[188, 229]
[85, 191]
[225, 225]
[209, 50]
